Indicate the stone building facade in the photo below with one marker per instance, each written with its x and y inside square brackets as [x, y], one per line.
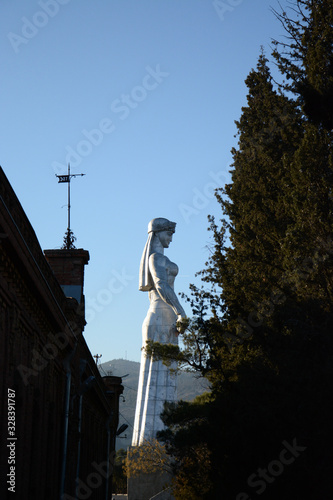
[58, 416]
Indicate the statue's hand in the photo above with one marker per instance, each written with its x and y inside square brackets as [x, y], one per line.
[181, 323]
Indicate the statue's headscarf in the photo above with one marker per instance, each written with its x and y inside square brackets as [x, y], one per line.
[154, 226]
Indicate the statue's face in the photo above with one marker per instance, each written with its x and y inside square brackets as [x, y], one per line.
[165, 238]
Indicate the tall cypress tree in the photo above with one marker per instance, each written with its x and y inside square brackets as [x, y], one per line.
[257, 216]
[307, 62]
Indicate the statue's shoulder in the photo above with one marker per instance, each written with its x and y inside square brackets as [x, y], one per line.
[158, 259]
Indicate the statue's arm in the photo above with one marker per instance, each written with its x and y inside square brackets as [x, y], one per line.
[157, 267]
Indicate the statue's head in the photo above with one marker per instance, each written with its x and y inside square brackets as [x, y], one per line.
[161, 224]
[162, 229]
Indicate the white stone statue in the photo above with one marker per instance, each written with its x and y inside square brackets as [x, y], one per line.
[157, 383]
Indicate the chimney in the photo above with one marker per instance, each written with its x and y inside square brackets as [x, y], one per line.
[68, 268]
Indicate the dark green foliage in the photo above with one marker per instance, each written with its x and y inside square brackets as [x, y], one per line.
[269, 132]
[306, 58]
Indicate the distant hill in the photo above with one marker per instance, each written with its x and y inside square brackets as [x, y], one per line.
[189, 387]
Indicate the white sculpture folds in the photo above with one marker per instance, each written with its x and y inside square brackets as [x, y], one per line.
[157, 383]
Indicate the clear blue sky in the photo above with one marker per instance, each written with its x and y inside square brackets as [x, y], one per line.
[141, 96]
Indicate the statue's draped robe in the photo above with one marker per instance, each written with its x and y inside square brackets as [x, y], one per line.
[157, 382]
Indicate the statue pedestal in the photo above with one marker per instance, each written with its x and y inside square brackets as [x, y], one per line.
[153, 486]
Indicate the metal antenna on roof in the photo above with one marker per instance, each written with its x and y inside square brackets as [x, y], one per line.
[69, 236]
